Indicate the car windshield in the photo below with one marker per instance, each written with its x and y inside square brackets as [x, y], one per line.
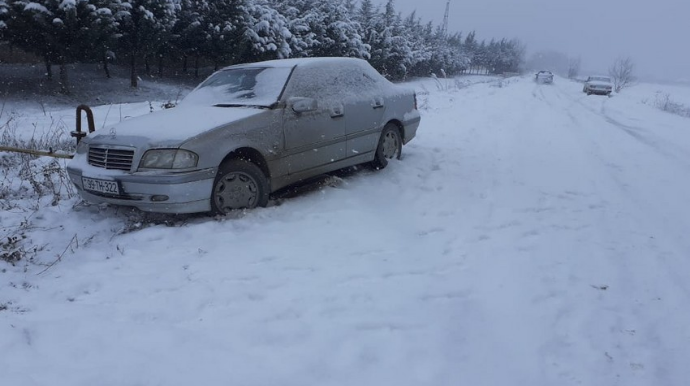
[245, 86]
[600, 79]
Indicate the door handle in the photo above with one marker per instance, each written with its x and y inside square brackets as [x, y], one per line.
[377, 105]
[336, 113]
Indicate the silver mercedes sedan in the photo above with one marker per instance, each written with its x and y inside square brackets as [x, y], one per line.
[245, 132]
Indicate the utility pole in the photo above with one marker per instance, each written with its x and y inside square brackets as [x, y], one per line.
[444, 27]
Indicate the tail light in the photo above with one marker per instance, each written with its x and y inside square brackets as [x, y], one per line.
[415, 101]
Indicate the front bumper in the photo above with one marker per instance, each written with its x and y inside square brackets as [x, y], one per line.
[187, 192]
[599, 91]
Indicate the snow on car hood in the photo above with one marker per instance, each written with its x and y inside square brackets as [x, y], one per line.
[179, 123]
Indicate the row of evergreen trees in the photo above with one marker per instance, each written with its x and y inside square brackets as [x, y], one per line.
[186, 32]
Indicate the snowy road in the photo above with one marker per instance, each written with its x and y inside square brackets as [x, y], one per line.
[530, 236]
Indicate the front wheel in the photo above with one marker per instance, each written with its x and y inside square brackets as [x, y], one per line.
[239, 184]
[389, 147]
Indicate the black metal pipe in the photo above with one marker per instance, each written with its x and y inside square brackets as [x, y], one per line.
[78, 133]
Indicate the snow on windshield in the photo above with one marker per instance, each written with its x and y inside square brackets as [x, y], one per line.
[247, 86]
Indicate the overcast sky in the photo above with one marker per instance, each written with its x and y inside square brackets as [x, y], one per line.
[655, 33]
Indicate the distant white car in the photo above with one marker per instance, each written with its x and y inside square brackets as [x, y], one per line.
[601, 85]
[544, 77]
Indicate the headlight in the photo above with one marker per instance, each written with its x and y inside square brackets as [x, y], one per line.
[168, 159]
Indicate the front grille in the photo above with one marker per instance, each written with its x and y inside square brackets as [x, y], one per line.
[109, 158]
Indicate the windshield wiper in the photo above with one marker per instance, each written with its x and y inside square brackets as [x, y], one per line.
[240, 105]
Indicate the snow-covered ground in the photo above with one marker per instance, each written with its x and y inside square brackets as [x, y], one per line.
[531, 235]
[678, 91]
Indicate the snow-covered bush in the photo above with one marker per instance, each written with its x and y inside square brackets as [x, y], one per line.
[664, 102]
[44, 181]
[28, 183]
[447, 84]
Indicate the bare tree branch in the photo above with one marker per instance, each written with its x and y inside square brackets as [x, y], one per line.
[622, 73]
[574, 67]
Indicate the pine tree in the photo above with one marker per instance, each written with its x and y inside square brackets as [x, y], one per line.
[220, 28]
[100, 37]
[325, 28]
[266, 33]
[370, 28]
[396, 47]
[55, 30]
[471, 47]
[4, 13]
[143, 27]
[421, 52]
[300, 37]
[187, 38]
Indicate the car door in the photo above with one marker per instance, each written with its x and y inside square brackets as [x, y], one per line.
[313, 138]
[366, 106]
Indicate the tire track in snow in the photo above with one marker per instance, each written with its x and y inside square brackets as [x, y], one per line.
[645, 269]
[626, 356]
[640, 134]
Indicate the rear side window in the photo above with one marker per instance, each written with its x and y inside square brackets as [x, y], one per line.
[335, 83]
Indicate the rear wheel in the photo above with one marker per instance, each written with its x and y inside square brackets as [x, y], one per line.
[389, 147]
[239, 184]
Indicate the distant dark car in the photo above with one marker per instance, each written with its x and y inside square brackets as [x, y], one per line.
[543, 77]
[245, 132]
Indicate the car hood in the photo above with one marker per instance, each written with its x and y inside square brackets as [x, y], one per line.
[174, 125]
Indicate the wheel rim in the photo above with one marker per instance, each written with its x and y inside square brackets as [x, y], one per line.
[390, 145]
[235, 190]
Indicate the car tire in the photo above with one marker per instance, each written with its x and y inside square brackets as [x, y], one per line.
[389, 147]
[239, 184]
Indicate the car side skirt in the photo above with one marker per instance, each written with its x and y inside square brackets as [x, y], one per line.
[283, 181]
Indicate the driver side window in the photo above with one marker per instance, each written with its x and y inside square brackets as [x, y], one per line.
[319, 83]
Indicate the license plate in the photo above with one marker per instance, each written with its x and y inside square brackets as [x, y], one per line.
[101, 186]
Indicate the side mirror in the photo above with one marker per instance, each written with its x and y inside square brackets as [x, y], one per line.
[303, 105]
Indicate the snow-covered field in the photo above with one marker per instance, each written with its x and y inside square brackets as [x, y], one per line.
[679, 92]
[531, 235]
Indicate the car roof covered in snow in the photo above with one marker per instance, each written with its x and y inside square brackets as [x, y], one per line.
[298, 62]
